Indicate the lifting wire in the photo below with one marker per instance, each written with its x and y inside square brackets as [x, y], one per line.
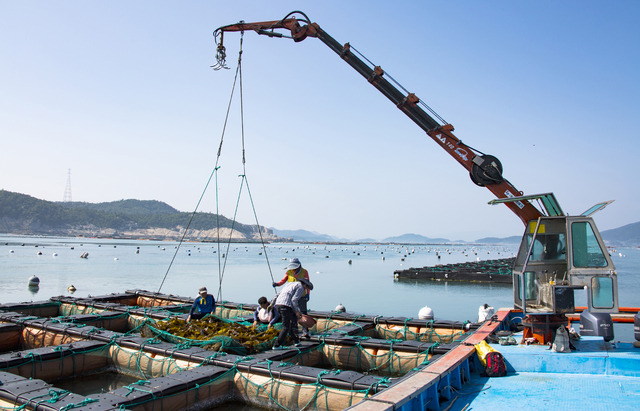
[214, 172]
[243, 180]
[221, 265]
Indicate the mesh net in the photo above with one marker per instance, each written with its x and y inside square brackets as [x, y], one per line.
[424, 334]
[381, 361]
[268, 391]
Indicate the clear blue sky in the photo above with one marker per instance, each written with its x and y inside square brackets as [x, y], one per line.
[121, 93]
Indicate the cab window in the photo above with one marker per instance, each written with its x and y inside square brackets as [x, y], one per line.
[602, 292]
[548, 247]
[585, 247]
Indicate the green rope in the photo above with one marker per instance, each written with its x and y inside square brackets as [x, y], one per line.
[320, 374]
[182, 346]
[82, 403]
[382, 381]
[132, 389]
[56, 395]
[241, 359]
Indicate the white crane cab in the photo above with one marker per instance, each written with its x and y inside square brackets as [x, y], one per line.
[558, 255]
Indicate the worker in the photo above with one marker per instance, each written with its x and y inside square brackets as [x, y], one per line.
[295, 272]
[265, 313]
[288, 304]
[204, 304]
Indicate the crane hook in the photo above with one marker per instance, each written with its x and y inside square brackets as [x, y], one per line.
[221, 53]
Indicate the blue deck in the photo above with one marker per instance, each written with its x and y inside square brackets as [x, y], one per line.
[596, 376]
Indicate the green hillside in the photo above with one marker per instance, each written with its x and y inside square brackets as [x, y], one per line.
[23, 214]
[129, 207]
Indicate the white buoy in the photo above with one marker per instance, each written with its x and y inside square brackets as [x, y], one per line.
[54, 254]
[340, 308]
[425, 313]
[115, 258]
[34, 281]
[11, 251]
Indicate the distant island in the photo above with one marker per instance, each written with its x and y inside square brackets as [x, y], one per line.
[22, 214]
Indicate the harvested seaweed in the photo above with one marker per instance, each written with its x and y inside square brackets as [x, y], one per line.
[212, 328]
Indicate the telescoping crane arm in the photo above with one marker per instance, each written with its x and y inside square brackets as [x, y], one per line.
[485, 170]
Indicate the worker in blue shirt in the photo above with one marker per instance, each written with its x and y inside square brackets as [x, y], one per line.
[203, 305]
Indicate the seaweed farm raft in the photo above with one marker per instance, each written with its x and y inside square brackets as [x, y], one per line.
[493, 271]
[135, 351]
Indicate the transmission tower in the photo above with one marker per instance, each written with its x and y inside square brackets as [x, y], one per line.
[67, 190]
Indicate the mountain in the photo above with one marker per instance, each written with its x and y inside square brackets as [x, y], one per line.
[495, 240]
[23, 214]
[628, 235]
[150, 219]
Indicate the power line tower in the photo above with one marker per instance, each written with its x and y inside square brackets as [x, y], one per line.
[67, 190]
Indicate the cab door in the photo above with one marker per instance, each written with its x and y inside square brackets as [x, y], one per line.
[590, 265]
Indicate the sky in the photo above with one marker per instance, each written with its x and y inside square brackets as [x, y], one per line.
[122, 94]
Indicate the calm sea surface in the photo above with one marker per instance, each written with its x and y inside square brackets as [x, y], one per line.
[244, 272]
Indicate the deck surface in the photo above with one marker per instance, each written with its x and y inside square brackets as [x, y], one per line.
[549, 391]
[595, 376]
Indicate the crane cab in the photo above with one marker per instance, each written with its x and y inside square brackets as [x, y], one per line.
[558, 256]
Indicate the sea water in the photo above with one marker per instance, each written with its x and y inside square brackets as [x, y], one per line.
[358, 276]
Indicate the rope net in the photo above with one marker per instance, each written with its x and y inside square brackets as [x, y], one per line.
[384, 362]
[423, 334]
[270, 391]
[229, 331]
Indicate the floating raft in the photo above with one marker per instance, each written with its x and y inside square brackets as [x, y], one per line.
[349, 359]
[492, 271]
[52, 350]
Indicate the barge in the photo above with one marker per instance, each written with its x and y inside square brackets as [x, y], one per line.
[490, 271]
[358, 362]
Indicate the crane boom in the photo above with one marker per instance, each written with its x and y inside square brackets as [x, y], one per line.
[558, 254]
[485, 170]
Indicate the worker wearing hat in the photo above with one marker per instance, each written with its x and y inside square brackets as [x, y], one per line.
[204, 304]
[287, 303]
[295, 272]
